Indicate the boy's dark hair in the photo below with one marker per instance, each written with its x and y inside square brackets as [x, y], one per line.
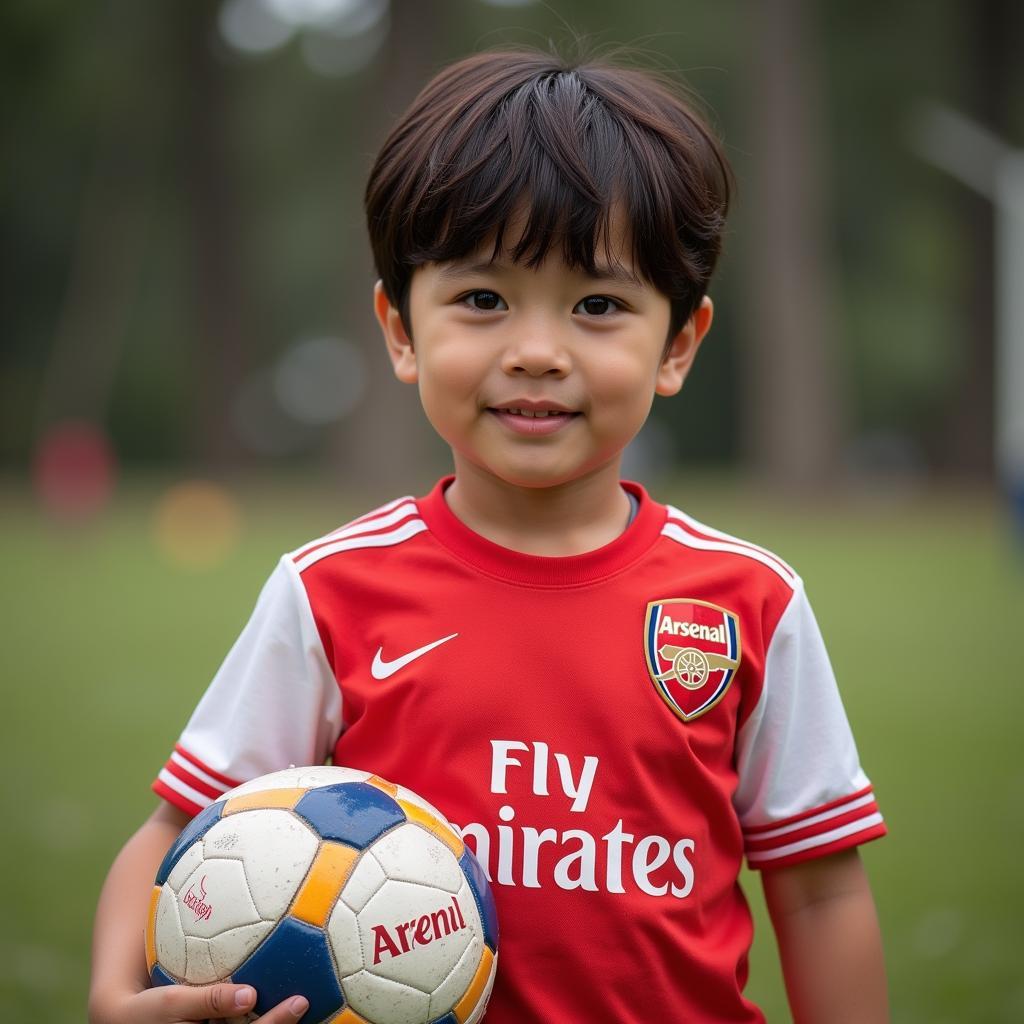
[504, 132]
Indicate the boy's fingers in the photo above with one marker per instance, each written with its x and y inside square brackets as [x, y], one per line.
[287, 1012]
[185, 1003]
[180, 1003]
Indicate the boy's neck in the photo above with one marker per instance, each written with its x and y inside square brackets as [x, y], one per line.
[570, 519]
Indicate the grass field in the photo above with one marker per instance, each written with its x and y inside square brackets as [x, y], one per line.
[107, 645]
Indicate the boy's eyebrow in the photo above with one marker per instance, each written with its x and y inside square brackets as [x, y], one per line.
[457, 269]
[602, 271]
[616, 272]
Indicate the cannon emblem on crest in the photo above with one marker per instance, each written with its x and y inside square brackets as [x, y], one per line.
[691, 666]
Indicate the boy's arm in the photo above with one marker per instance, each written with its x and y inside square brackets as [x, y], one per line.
[119, 992]
[829, 941]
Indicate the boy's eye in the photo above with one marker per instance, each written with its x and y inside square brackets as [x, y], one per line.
[596, 305]
[485, 300]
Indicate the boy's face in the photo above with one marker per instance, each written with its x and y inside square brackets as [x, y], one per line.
[538, 377]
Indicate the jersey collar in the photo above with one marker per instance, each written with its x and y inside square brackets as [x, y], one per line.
[542, 570]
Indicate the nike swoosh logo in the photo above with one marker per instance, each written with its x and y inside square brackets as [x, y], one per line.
[381, 669]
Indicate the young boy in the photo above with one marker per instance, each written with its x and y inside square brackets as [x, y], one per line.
[614, 702]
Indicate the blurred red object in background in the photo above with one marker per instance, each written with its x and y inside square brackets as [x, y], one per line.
[74, 469]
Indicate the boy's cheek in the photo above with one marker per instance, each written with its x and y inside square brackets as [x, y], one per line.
[450, 374]
[448, 414]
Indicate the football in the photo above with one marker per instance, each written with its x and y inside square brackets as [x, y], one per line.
[332, 884]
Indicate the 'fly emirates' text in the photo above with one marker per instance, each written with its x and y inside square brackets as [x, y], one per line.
[658, 866]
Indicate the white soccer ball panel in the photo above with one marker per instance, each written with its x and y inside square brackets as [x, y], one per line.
[200, 969]
[299, 778]
[168, 935]
[343, 934]
[229, 949]
[378, 999]
[276, 850]
[453, 988]
[481, 1008]
[410, 853]
[215, 898]
[363, 883]
[413, 934]
[329, 775]
[187, 863]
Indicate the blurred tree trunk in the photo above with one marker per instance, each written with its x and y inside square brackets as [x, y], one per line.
[792, 398]
[104, 258]
[991, 43]
[213, 229]
[108, 245]
[389, 443]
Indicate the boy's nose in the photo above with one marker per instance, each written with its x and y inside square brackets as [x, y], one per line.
[536, 354]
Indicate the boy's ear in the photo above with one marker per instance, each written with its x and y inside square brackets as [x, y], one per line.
[396, 338]
[683, 350]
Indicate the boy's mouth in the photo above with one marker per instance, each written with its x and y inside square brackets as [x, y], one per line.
[533, 417]
[535, 413]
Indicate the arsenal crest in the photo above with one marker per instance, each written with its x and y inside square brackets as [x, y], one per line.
[693, 651]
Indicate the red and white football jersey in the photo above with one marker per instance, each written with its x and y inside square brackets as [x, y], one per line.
[612, 732]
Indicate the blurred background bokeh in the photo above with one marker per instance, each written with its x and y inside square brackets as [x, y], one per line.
[191, 382]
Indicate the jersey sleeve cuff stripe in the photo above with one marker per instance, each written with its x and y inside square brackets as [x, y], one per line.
[178, 799]
[852, 834]
[862, 805]
[211, 775]
[197, 773]
[830, 824]
[821, 848]
[187, 791]
[839, 805]
[194, 780]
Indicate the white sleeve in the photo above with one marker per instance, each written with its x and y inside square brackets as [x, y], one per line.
[274, 702]
[801, 791]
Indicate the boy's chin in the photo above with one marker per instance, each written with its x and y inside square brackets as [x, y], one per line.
[534, 477]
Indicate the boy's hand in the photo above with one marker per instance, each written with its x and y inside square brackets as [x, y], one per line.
[183, 1004]
[119, 993]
